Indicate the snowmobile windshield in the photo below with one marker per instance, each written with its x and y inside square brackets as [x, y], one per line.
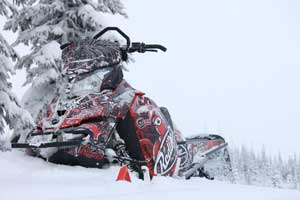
[88, 55]
[89, 83]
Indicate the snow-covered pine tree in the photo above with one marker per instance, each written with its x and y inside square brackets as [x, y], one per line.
[235, 159]
[45, 25]
[264, 170]
[298, 173]
[6, 8]
[253, 168]
[245, 165]
[10, 111]
[292, 172]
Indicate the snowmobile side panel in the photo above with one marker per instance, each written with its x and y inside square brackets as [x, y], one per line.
[155, 135]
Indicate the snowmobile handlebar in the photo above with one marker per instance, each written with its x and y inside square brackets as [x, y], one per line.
[139, 47]
[114, 29]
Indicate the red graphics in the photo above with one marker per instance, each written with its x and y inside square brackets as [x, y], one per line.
[98, 115]
[156, 137]
[100, 118]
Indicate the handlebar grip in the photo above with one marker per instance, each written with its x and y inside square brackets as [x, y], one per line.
[156, 46]
[142, 47]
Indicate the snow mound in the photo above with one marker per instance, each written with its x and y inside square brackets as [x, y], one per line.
[28, 178]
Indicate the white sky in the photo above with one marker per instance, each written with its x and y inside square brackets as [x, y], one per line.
[231, 68]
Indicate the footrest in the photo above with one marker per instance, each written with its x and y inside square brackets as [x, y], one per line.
[47, 145]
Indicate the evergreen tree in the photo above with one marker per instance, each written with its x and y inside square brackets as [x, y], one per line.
[263, 170]
[45, 25]
[292, 172]
[276, 178]
[298, 173]
[10, 111]
[6, 8]
[236, 163]
[253, 168]
[245, 165]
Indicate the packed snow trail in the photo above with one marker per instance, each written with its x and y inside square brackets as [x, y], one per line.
[28, 178]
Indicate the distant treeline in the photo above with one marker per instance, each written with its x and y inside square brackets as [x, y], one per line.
[261, 169]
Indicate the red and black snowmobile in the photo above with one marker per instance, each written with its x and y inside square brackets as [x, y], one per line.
[98, 119]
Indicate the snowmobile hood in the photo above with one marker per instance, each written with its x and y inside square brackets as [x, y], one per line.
[106, 104]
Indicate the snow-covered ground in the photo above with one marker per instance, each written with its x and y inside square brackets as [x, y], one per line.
[27, 178]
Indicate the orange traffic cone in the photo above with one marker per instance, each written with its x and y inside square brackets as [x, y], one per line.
[124, 174]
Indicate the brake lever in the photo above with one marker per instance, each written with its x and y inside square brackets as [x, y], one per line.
[152, 50]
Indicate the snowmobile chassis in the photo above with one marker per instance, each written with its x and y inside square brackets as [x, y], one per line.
[88, 124]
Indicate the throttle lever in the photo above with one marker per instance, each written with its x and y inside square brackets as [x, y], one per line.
[152, 50]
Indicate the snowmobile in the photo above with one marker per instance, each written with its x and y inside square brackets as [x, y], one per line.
[98, 119]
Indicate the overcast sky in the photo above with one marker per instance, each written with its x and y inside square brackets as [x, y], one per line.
[232, 67]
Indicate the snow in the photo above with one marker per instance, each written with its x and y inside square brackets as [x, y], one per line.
[6, 63]
[88, 15]
[48, 54]
[14, 112]
[29, 178]
[4, 138]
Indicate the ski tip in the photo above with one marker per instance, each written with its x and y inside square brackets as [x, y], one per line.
[124, 174]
